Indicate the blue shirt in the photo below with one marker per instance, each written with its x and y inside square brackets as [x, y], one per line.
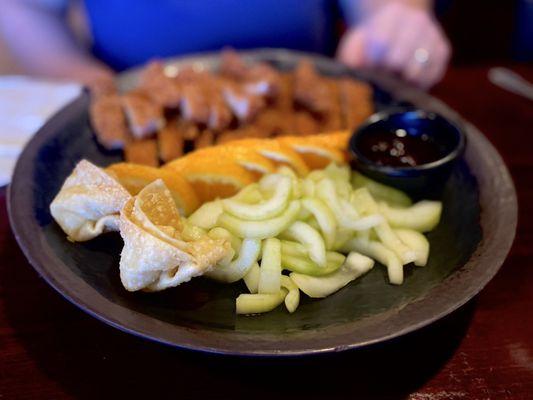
[130, 32]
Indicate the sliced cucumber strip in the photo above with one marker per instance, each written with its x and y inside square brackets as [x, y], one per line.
[259, 303]
[291, 248]
[250, 194]
[207, 215]
[297, 189]
[308, 187]
[343, 189]
[270, 276]
[380, 191]
[380, 253]
[316, 175]
[311, 239]
[356, 222]
[393, 242]
[342, 235]
[251, 279]
[306, 266]
[261, 229]
[417, 242]
[363, 201]
[238, 268]
[292, 300]
[322, 286]
[327, 193]
[304, 214]
[264, 209]
[324, 217]
[366, 202]
[423, 216]
[338, 172]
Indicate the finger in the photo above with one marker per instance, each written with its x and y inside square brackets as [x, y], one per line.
[437, 69]
[380, 33]
[418, 71]
[404, 45]
[438, 61]
[351, 49]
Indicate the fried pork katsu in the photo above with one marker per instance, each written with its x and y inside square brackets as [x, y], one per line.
[169, 114]
[108, 121]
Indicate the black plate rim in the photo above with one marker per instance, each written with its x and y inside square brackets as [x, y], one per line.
[439, 301]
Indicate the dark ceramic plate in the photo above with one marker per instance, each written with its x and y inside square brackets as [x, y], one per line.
[467, 249]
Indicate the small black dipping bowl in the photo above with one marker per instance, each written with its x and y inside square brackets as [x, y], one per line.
[448, 139]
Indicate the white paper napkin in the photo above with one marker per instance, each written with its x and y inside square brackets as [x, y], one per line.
[25, 105]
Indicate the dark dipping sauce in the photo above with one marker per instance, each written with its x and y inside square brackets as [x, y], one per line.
[399, 149]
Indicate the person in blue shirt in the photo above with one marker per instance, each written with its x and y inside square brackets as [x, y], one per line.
[398, 35]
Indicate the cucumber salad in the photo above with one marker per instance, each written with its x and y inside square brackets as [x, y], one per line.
[314, 235]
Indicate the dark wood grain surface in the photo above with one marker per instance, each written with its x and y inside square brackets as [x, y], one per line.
[51, 350]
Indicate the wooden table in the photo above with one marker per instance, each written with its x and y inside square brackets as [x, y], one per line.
[51, 350]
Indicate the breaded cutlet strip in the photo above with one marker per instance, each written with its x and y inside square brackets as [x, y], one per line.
[162, 89]
[144, 116]
[310, 89]
[232, 65]
[203, 102]
[194, 102]
[206, 138]
[188, 130]
[284, 100]
[108, 121]
[258, 79]
[262, 80]
[220, 114]
[272, 121]
[332, 120]
[356, 102]
[142, 152]
[170, 140]
[304, 123]
[243, 105]
[194, 105]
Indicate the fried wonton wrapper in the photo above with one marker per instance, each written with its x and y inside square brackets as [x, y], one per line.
[156, 255]
[88, 203]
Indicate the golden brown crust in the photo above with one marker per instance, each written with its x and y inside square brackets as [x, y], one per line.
[144, 116]
[310, 89]
[142, 152]
[170, 140]
[155, 256]
[108, 121]
[88, 203]
[205, 139]
[162, 89]
[356, 102]
[304, 123]
[240, 100]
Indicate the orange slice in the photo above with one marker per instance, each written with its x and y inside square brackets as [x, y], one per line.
[315, 156]
[211, 177]
[135, 177]
[275, 151]
[336, 139]
[245, 157]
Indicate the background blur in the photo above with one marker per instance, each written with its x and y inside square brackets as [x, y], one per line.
[481, 31]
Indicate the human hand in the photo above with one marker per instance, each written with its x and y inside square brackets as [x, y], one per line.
[401, 38]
